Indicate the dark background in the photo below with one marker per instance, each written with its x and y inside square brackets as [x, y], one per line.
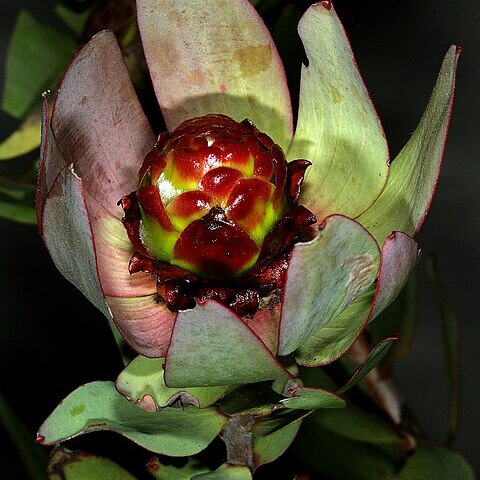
[53, 340]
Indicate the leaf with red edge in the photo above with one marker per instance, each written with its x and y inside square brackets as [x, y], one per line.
[145, 324]
[370, 362]
[69, 237]
[324, 277]
[413, 175]
[215, 57]
[211, 346]
[142, 383]
[338, 129]
[98, 406]
[99, 124]
[267, 448]
[398, 318]
[170, 472]
[399, 255]
[77, 465]
[307, 398]
[51, 161]
[113, 252]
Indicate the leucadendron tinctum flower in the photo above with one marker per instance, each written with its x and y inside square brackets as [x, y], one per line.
[216, 198]
[229, 271]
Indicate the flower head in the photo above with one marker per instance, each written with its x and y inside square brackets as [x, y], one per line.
[224, 280]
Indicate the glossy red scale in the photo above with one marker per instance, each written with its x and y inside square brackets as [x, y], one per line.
[246, 203]
[215, 246]
[235, 155]
[131, 221]
[189, 204]
[219, 182]
[190, 165]
[263, 166]
[149, 199]
[280, 175]
[154, 155]
[295, 175]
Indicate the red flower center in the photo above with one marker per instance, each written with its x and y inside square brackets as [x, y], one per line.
[210, 192]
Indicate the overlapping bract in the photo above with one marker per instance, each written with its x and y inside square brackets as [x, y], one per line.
[218, 57]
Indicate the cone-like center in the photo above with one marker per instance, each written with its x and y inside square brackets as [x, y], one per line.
[209, 194]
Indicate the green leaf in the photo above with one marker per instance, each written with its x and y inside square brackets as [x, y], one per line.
[228, 64]
[169, 472]
[338, 458]
[437, 463]
[307, 398]
[67, 465]
[267, 448]
[399, 255]
[372, 360]
[98, 406]
[142, 383]
[226, 472]
[76, 21]
[33, 457]
[17, 198]
[23, 140]
[338, 129]
[325, 276]
[36, 56]
[336, 337]
[413, 175]
[451, 345]
[211, 346]
[22, 211]
[62, 230]
[356, 424]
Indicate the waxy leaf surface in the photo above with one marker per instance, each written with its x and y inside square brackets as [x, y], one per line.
[306, 398]
[98, 406]
[267, 448]
[170, 472]
[212, 346]
[142, 383]
[67, 196]
[98, 122]
[215, 57]
[149, 337]
[324, 277]
[338, 129]
[399, 254]
[413, 174]
[372, 360]
[67, 465]
[226, 472]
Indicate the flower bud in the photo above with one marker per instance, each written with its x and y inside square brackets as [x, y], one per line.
[209, 193]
